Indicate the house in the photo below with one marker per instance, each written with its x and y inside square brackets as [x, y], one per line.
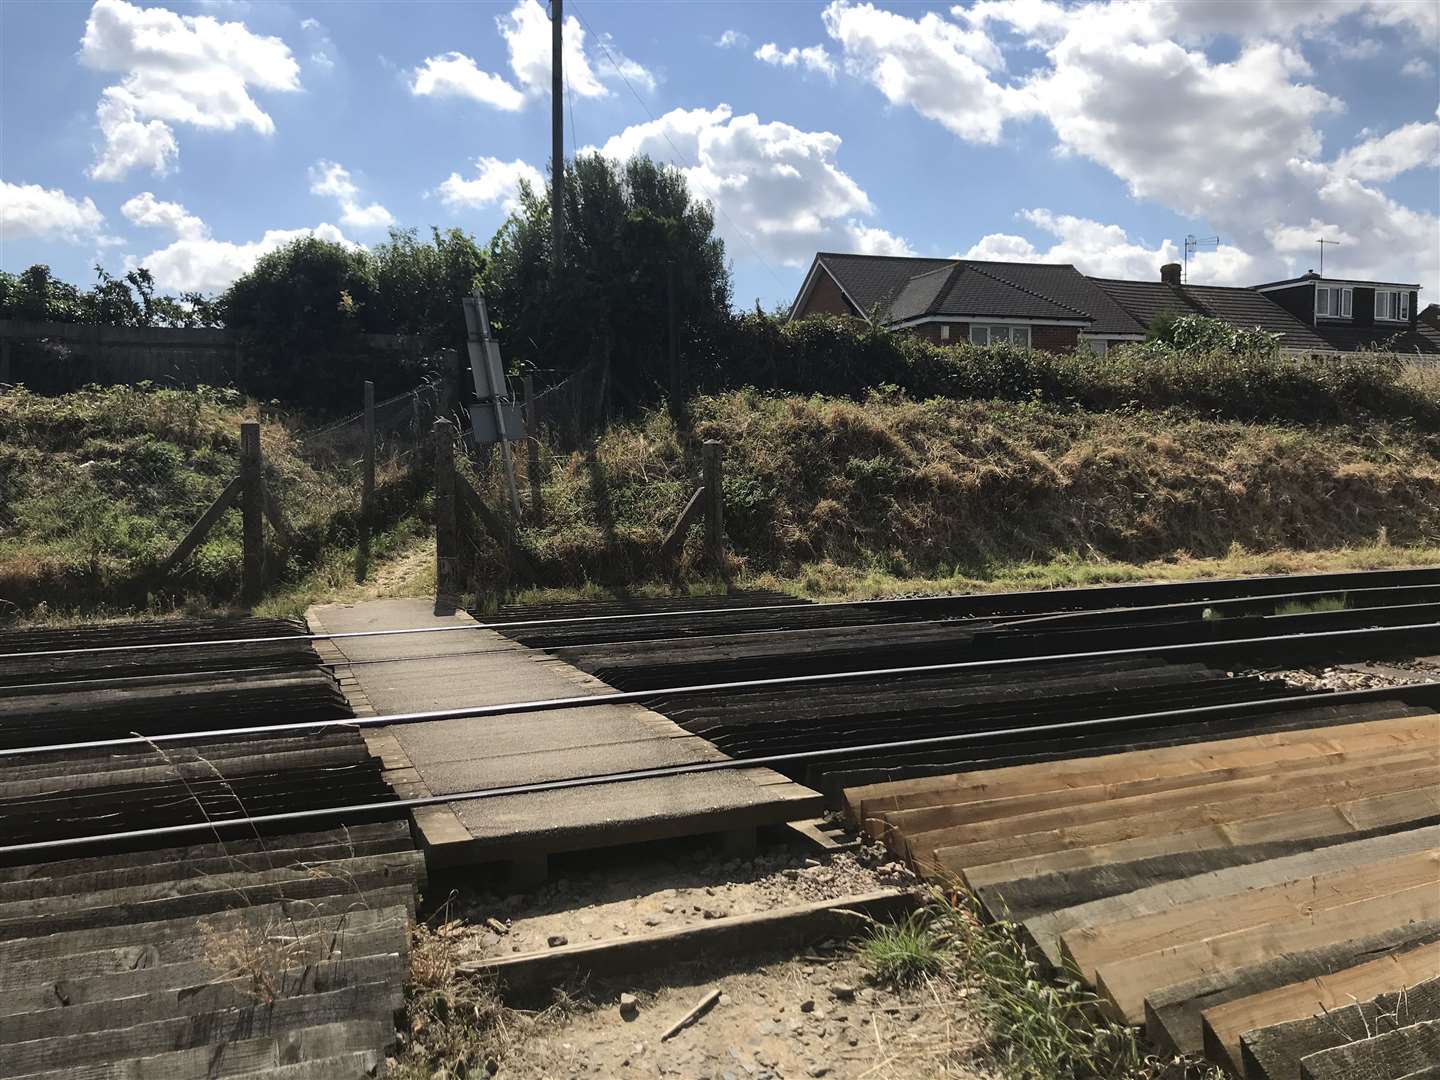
[1053, 306]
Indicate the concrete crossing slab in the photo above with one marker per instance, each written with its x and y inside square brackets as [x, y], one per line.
[477, 666]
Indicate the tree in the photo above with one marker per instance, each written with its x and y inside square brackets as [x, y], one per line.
[37, 295]
[628, 228]
[418, 286]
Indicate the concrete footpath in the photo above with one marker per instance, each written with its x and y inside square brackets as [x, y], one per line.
[418, 672]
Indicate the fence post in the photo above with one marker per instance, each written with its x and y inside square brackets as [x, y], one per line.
[367, 489]
[252, 510]
[532, 450]
[447, 542]
[714, 502]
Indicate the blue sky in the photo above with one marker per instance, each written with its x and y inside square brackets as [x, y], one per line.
[190, 138]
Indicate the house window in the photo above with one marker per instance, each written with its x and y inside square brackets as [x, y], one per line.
[1332, 301]
[1392, 304]
[945, 331]
[1095, 346]
[993, 334]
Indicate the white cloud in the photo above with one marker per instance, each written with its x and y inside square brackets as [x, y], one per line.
[1233, 144]
[937, 67]
[176, 69]
[778, 189]
[453, 74]
[526, 32]
[195, 261]
[813, 58]
[1418, 68]
[332, 180]
[731, 39]
[29, 210]
[1107, 251]
[148, 212]
[495, 181]
[1387, 156]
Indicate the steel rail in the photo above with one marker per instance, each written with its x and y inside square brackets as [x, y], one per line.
[619, 697]
[660, 772]
[1059, 594]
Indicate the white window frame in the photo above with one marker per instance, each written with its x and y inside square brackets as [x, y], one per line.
[944, 331]
[1343, 301]
[1009, 333]
[1401, 305]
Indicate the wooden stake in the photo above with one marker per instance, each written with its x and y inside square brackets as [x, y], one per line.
[703, 1006]
[714, 502]
[675, 539]
[252, 511]
[447, 543]
[367, 489]
[200, 529]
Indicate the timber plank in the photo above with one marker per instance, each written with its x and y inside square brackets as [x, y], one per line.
[1214, 753]
[62, 987]
[1195, 786]
[1085, 948]
[207, 996]
[1174, 1014]
[1267, 1034]
[1125, 983]
[1182, 882]
[1394, 1053]
[1260, 793]
[1233, 815]
[371, 1001]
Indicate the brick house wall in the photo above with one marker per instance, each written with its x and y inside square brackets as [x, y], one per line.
[826, 299]
[1055, 339]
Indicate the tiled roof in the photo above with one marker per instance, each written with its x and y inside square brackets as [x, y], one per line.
[1144, 300]
[1248, 308]
[974, 290]
[874, 279]
[1066, 285]
[1422, 339]
[918, 295]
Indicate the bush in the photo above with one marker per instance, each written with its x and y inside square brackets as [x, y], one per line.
[1231, 375]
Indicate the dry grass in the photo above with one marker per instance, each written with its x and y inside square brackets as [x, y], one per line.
[977, 491]
[457, 1023]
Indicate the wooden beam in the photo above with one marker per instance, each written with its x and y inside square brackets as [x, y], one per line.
[447, 541]
[276, 515]
[494, 526]
[675, 538]
[200, 529]
[252, 510]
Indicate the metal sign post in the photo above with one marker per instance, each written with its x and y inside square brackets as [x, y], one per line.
[495, 418]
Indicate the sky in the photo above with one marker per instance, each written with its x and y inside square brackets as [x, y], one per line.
[192, 138]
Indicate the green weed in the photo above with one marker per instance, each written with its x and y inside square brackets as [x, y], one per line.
[902, 953]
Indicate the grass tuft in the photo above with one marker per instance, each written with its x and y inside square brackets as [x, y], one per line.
[1313, 607]
[903, 953]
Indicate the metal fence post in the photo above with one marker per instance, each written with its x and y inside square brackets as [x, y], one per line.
[367, 490]
[252, 510]
[714, 501]
[447, 542]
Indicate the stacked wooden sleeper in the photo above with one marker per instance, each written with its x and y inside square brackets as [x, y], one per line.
[1212, 893]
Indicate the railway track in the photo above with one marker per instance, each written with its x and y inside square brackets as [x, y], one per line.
[231, 739]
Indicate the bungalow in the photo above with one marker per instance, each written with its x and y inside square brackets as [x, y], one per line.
[1053, 306]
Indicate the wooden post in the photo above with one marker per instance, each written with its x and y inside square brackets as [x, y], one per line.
[532, 450]
[447, 541]
[252, 512]
[367, 488]
[714, 502]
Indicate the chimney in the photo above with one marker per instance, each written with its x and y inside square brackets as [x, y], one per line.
[1170, 274]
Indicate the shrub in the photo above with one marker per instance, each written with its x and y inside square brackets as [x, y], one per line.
[1227, 373]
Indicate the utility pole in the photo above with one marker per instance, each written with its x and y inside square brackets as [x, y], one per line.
[1322, 242]
[557, 134]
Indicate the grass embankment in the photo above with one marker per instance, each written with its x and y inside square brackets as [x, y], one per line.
[97, 488]
[838, 497]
